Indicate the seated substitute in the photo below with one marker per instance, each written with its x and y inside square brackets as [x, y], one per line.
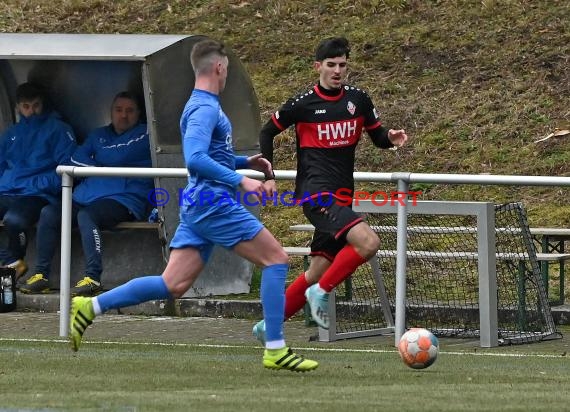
[30, 151]
[98, 202]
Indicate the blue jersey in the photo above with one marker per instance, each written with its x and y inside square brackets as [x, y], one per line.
[30, 151]
[209, 156]
[103, 147]
[208, 151]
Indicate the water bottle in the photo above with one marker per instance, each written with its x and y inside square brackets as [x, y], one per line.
[8, 293]
[7, 289]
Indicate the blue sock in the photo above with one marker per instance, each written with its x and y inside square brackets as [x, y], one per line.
[135, 291]
[273, 300]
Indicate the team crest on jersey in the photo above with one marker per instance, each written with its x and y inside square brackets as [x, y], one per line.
[351, 108]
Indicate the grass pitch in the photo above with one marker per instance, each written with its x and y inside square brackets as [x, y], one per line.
[212, 370]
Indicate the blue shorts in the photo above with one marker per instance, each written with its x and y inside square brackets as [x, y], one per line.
[202, 227]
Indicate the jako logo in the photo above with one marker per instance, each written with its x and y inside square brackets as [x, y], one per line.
[320, 111]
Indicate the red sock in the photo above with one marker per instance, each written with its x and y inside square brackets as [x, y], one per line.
[295, 296]
[344, 265]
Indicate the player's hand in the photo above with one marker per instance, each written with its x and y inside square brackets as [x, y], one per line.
[397, 137]
[270, 187]
[252, 186]
[260, 163]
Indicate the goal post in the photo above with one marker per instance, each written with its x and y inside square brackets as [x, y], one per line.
[470, 270]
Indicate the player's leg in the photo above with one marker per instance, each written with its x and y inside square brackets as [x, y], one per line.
[360, 244]
[99, 215]
[184, 266]
[48, 233]
[265, 251]
[295, 293]
[234, 227]
[187, 258]
[324, 247]
[21, 216]
[5, 203]
[260, 247]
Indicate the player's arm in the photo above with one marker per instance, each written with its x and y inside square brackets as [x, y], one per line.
[256, 162]
[64, 146]
[84, 154]
[268, 132]
[279, 121]
[259, 163]
[266, 136]
[196, 142]
[381, 136]
[385, 138]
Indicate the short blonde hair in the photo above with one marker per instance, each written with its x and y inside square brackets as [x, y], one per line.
[204, 53]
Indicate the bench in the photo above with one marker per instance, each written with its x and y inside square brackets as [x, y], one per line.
[129, 249]
[138, 225]
[297, 251]
[425, 254]
[129, 225]
[552, 240]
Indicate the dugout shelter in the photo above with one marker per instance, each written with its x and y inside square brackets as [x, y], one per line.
[82, 73]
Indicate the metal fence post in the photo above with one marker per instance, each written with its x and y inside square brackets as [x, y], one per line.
[66, 191]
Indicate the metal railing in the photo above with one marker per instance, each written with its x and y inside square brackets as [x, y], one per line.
[402, 179]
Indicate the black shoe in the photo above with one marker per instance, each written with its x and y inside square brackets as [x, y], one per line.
[86, 287]
[23, 279]
[35, 284]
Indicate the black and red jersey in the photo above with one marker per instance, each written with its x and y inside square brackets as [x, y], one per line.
[328, 127]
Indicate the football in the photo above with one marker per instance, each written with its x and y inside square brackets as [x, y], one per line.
[418, 348]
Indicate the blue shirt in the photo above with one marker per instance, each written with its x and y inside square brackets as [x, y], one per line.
[103, 147]
[208, 148]
[30, 151]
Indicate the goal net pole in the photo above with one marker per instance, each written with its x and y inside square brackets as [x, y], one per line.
[401, 258]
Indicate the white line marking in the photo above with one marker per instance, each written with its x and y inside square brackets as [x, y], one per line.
[314, 349]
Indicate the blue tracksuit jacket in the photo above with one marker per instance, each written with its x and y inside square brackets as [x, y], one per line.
[103, 147]
[30, 151]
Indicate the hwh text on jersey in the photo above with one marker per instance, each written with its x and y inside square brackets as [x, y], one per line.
[337, 130]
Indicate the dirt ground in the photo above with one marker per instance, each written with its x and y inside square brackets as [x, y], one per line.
[224, 331]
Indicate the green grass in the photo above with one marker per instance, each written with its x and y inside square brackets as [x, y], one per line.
[474, 83]
[129, 377]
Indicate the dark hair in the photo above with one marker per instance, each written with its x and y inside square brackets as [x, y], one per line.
[332, 47]
[30, 91]
[129, 95]
[203, 51]
[135, 97]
